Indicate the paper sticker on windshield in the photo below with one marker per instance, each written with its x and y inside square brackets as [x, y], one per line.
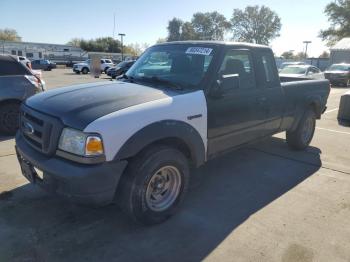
[199, 51]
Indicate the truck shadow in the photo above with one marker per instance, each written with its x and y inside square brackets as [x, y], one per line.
[223, 194]
[5, 138]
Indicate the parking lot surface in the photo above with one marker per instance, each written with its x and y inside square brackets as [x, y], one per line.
[262, 202]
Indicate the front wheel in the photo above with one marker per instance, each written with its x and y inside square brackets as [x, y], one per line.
[9, 118]
[301, 137]
[85, 70]
[154, 185]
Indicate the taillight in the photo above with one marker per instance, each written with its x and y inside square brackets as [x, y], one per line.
[36, 82]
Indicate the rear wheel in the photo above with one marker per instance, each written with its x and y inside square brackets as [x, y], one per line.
[300, 138]
[85, 70]
[106, 70]
[154, 185]
[9, 118]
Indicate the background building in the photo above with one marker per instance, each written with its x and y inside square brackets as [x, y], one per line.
[340, 52]
[61, 54]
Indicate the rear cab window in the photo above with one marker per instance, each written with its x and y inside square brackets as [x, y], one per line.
[267, 72]
[9, 66]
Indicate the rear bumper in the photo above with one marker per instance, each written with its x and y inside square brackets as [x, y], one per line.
[80, 183]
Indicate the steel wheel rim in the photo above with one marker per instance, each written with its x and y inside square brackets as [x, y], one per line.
[308, 130]
[163, 188]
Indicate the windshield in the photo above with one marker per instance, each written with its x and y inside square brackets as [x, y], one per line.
[121, 64]
[293, 70]
[339, 68]
[182, 65]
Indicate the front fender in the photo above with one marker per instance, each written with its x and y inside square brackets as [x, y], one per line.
[163, 130]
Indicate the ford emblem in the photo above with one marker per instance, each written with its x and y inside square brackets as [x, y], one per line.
[28, 128]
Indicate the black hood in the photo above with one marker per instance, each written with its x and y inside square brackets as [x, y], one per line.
[77, 106]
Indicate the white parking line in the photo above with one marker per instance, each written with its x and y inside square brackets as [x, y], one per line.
[331, 130]
[332, 110]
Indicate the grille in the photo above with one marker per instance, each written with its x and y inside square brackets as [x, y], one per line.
[40, 130]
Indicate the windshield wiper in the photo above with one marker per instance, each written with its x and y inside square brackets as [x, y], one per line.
[164, 82]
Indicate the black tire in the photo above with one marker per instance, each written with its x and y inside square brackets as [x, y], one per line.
[106, 70]
[9, 118]
[114, 77]
[301, 137]
[85, 70]
[77, 72]
[133, 192]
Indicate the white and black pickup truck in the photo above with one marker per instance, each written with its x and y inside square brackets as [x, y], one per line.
[135, 141]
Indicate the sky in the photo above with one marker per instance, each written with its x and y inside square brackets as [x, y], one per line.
[146, 21]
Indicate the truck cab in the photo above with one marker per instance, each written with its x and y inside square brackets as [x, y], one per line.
[181, 104]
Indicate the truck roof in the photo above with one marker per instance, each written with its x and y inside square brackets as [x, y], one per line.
[218, 43]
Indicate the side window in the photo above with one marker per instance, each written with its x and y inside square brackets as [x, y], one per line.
[239, 62]
[270, 75]
[11, 67]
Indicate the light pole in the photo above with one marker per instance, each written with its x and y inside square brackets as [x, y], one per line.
[306, 45]
[121, 40]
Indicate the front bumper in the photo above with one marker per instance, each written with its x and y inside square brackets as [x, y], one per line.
[79, 183]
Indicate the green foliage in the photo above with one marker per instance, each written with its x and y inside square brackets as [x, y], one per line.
[174, 29]
[102, 44]
[8, 34]
[338, 13]
[187, 32]
[325, 54]
[203, 26]
[288, 55]
[255, 24]
[210, 25]
[300, 56]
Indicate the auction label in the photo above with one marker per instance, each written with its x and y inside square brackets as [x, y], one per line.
[199, 51]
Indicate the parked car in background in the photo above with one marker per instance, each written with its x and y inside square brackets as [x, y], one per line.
[120, 69]
[285, 64]
[43, 64]
[338, 74]
[84, 67]
[17, 82]
[303, 71]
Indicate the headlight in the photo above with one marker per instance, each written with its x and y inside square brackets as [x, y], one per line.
[80, 143]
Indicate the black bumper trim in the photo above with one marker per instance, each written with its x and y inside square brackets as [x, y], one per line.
[80, 183]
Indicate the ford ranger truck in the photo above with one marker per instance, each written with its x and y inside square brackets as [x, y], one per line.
[181, 104]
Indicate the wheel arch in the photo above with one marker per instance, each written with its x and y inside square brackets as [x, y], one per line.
[174, 133]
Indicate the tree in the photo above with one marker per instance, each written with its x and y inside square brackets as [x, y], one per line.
[300, 56]
[324, 54]
[174, 29]
[161, 40]
[255, 24]
[102, 44]
[8, 34]
[187, 32]
[75, 42]
[338, 14]
[288, 55]
[210, 25]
